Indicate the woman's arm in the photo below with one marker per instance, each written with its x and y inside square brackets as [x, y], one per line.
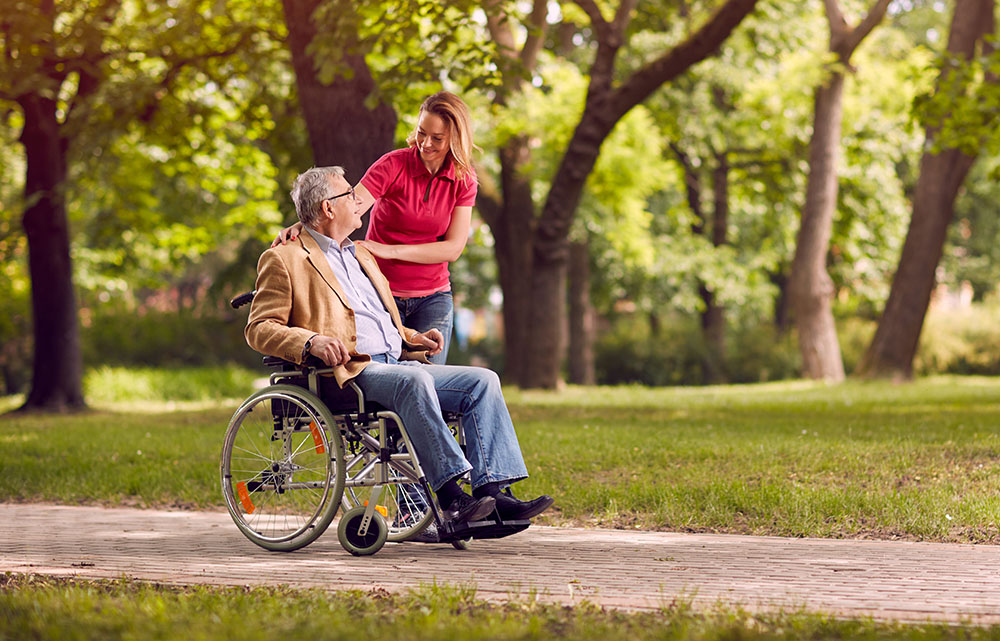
[448, 249]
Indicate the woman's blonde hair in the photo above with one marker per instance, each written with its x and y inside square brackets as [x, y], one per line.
[450, 108]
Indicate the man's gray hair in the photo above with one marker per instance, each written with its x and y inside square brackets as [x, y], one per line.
[310, 189]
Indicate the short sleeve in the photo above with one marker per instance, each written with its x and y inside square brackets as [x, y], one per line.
[381, 174]
[467, 190]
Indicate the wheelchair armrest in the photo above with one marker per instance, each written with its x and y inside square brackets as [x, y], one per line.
[275, 362]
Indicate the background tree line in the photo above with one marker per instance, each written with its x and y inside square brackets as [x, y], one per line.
[767, 168]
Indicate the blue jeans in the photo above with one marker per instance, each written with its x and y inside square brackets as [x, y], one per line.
[424, 312]
[419, 392]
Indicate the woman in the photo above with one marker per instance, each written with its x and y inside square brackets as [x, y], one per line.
[423, 197]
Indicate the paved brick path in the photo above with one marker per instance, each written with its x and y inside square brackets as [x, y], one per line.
[618, 569]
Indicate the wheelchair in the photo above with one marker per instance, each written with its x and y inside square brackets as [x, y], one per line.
[301, 449]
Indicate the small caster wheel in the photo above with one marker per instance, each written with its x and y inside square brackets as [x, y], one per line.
[355, 543]
[461, 544]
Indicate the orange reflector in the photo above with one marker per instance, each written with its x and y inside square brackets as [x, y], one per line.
[317, 439]
[241, 489]
[381, 509]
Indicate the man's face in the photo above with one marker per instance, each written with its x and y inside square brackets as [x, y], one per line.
[347, 205]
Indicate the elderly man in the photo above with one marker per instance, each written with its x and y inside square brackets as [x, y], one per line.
[323, 295]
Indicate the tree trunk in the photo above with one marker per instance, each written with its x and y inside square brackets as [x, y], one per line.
[511, 221]
[342, 130]
[57, 374]
[712, 316]
[582, 318]
[545, 345]
[713, 319]
[942, 173]
[810, 286]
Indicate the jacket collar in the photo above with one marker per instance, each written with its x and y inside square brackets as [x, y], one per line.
[316, 258]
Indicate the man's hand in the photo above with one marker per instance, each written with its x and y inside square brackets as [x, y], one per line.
[331, 351]
[287, 234]
[432, 339]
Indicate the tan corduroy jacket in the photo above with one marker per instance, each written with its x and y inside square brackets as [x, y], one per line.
[298, 297]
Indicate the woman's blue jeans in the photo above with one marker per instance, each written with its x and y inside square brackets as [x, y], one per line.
[425, 312]
[419, 392]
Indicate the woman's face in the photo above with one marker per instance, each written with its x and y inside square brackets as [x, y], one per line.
[433, 138]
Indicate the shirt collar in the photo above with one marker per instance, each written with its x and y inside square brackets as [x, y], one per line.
[417, 168]
[327, 244]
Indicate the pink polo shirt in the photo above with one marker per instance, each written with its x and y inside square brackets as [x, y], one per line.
[414, 207]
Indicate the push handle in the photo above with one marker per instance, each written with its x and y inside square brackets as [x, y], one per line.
[242, 299]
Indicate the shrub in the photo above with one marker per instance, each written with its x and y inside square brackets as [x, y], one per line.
[116, 384]
[165, 339]
[759, 352]
[632, 353]
[962, 341]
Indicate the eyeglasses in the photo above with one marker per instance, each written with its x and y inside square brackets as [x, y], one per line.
[349, 192]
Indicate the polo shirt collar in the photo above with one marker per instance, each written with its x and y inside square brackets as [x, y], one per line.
[417, 168]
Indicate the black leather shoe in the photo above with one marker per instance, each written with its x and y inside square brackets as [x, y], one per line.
[465, 508]
[513, 509]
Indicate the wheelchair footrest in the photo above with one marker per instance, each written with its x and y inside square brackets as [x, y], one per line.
[482, 529]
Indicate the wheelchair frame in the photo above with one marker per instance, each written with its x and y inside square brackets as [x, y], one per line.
[305, 459]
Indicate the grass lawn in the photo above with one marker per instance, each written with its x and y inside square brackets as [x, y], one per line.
[878, 460]
[46, 608]
[916, 462]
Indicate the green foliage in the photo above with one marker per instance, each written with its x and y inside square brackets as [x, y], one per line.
[963, 106]
[962, 341]
[631, 351]
[881, 154]
[15, 321]
[115, 384]
[614, 213]
[119, 335]
[410, 45]
[972, 253]
[754, 124]
[164, 109]
[181, 155]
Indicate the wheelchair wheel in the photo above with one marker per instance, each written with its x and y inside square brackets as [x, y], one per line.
[362, 544]
[404, 504]
[282, 473]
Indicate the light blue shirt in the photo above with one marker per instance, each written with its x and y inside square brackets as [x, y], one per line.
[376, 332]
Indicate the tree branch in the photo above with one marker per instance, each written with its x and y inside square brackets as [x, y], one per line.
[87, 65]
[622, 17]
[679, 59]
[597, 21]
[869, 22]
[838, 23]
[536, 34]
[177, 65]
[498, 24]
